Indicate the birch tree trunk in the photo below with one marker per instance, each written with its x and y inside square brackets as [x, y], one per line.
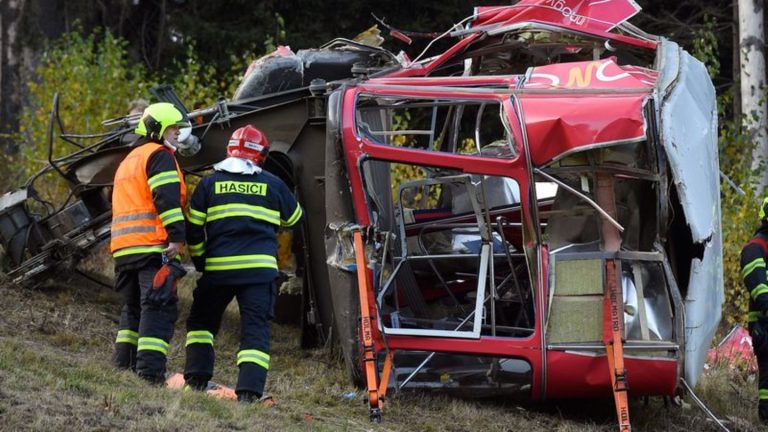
[752, 77]
[11, 12]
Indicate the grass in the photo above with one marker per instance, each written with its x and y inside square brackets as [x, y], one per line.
[55, 374]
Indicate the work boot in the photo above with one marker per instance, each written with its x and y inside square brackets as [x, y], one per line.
[762, 412]
[155, 380]
[124, 357]
[196, 383]
[247, 396]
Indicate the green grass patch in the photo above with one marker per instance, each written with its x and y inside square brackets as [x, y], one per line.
[61, 379]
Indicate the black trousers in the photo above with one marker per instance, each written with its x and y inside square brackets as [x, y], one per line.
[759, 332]
[256, 302]
[146, 328]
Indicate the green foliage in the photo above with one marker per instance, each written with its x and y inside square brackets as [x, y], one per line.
[705, 46]
[95, 82]
[199, 84]
[402, 173]
[739, 212]
[739, 215]
[278, 38]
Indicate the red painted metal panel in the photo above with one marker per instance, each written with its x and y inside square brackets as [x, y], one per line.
[582, 15]
[599, 74]
[579, 375]
[353, 152]
[524, 348]
[557, 125]
[469, 81]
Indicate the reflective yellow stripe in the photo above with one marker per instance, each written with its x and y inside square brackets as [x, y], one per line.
[244, 210]
[760, 289]
[757, 262]
[132, 230]
[253, 356]
[153, 344]
[196, 250]
[196, 217]
[294, 217]
[170, 216]
[199, 337]
[238, 262]
[149, 216]
[138, 250]
[763, 394]
[127, 336]
[753, 316]
[163, 178]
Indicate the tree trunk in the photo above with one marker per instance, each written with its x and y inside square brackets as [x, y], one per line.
[11, 12]
[753, 104]
[736, 61]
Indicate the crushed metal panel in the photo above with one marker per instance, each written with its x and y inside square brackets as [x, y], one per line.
[703, 306]
[691, 147]
[559, 125]
[597, 74]
[577, 14]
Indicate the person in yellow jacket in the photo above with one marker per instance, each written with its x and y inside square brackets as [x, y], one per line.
[148, 198]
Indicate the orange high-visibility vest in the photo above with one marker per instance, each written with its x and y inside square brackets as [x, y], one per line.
[135, 221]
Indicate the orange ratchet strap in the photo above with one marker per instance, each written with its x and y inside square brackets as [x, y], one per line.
[613, 320]
[375, 392]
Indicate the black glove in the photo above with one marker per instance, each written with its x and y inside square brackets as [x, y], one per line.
[164, 284]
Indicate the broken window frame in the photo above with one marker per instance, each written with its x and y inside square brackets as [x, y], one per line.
[486, 284]
[471, 45]
[656, 175]
[450, 125]
[673, 345]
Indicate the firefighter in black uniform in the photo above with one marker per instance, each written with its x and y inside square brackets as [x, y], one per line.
[235, 214]
[147, 222]
[753, 270]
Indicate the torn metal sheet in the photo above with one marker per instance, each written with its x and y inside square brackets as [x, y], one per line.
[703, 306]
[691, 147]
[340, 242]
[584, 14]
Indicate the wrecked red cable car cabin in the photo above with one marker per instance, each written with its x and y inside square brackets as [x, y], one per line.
[542, 193]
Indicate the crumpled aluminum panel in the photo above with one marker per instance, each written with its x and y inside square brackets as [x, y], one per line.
[689, 136]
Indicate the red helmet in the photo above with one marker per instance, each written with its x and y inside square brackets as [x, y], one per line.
[248, 143]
